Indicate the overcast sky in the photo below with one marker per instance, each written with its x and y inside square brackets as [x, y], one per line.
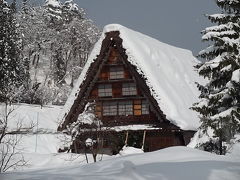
[176, 22]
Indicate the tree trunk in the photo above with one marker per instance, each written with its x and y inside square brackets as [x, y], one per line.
[94, 157]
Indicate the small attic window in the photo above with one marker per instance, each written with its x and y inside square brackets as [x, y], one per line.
[114, 56]
[129, 89]
[116, 72]
[104, 90]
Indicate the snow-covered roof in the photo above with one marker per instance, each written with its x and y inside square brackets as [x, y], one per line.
[168, 71]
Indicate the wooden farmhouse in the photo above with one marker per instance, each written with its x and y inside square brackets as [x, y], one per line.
[140, 89]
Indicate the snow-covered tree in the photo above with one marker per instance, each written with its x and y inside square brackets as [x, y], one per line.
[56, 39]
[219, 107]
[93, 140]
[11, 64]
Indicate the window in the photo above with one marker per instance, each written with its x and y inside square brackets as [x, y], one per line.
[129, 89]
[104, 90]
[116, 73]
[125, 108]
[140, 107]
[113, 58]
[109, 108]
[122, 108]
[145, 107]
[98, 109]
[137, 108]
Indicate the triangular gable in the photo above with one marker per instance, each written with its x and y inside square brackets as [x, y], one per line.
[112, 39]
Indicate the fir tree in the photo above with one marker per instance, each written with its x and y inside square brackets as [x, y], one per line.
[219, 107]
[11, 69]
[25, 7]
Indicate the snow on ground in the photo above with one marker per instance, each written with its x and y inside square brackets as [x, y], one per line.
[168, 70]
[43, 119]
[43, 161]
[175, 163]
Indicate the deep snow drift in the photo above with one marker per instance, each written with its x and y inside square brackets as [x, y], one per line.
[175, 163]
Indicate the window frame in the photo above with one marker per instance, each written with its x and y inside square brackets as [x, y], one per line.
[125, 108]
[109, 108]
[105, 90]
[116, 72]
[129, 89]
[145, 107]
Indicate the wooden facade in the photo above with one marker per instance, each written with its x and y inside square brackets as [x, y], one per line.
[122, 97]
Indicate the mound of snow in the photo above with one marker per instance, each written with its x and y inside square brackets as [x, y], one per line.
[126, 150]
[168, 164]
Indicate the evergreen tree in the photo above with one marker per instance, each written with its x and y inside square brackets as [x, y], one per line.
[219, 106]
[11, 69]
[25, 7]
[54, 13]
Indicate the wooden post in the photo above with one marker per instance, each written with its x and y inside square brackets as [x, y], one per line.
[126, 139]
[143, 142]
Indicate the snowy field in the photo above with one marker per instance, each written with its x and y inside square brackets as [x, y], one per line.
[176, 163]
[43, 161]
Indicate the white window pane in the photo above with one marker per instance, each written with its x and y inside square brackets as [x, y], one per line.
[104, 90]
[116, 73]
[129, 89]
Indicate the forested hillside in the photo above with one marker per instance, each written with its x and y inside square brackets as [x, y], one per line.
[50, 44]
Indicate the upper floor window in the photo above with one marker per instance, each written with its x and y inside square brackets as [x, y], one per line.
[114, 56]
[129, 89]
[145, 107]
[140, 107]
[116, 72]
[125, 108]
[109, 108]
[104, 90]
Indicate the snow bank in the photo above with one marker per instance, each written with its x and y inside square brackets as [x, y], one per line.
[126, 150]
[168, 71]
[168, 164]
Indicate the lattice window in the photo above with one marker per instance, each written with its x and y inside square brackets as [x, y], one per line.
[145, 107]
[129, 89]
[125, 108]
[109, 108]
[137, 108]
[104, 90]
[140, 107]
[116, 73]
